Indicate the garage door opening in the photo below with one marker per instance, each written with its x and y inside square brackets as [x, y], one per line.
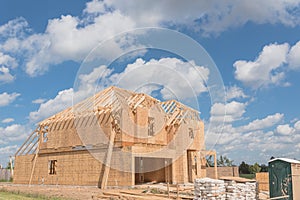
[154, 170]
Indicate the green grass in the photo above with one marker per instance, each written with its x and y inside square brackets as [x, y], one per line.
[248, 176]
[2, 180]
[17, 195]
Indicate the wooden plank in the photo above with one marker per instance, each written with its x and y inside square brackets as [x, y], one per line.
[183, 116]
[89, 118]
[28, 145]
[237, 179]
[92, 121]
[175, 114]
[139, 102]
[138, 195]
[108, 159]
[102, 99]
[32, 147]
[168, 105]
[34, 162]
[25, 142]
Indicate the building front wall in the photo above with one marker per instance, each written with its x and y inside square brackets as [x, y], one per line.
[82, 168]
[72, 168]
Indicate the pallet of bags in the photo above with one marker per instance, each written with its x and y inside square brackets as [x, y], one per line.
[210, 189]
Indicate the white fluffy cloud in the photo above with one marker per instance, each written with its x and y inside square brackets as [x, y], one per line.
[167, 73]
[15, 28]
[39, 101]
[228, 112]
[6, 98]
[260, 124]
[209, 16]
[5, 75]
[10, 149]
[14, 132]
[138, 76]
[285, 129]
[73, 37]
[62, 101]
[65, 38]
[270, 67]
[235, 92]
[293, 57]
[297, 125]
[265, 69]
[7, 120]
[6, 63]
[244, 139]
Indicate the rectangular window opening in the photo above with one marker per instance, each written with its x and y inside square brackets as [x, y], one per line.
[191, 133]
[150, 126]
[52, 167]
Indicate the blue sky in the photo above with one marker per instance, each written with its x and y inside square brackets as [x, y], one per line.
[255, 46]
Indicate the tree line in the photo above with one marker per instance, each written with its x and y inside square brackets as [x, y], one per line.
[244, 168]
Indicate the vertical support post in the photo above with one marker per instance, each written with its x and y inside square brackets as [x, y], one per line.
[108, 159]
[177, 186]
[34, 162]
[11, 167]
[168, 187]
[215, 165]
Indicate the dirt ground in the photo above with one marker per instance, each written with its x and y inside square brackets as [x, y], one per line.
[153, 192]
[141, 192]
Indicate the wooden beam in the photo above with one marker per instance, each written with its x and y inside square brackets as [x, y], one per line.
[32, 147]
[34, 162]
[175, 114]
[215, 165]
[139, 102]
[25, 142]
[168, 105]
[28, 145]
[108, 159]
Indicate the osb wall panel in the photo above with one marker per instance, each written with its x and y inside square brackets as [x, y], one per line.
[296, 180]
[135, 127]
[263, 181]
[23, 166]
[66, 134]
[72, 168]
[199, 141]
[63, 138]
[222, 171]
[179, 169]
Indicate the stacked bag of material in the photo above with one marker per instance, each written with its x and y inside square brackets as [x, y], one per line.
[210, 189]
[240, 191]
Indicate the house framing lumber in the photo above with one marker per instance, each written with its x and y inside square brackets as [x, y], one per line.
[115, 138]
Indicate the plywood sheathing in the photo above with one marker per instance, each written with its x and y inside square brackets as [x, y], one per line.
[89, 126]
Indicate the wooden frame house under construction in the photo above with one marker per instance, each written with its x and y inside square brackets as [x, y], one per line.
[115, 138]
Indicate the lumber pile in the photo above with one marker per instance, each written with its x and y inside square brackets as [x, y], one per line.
[212, 189]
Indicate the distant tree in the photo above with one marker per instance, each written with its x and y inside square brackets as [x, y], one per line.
[209, 161]
[8, 166]
[220, 161]
[228, 162]
[264, 168]
[224, 161]
[244, 168]
[254, 168]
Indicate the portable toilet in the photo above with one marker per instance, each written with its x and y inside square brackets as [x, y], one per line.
[284, 179]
